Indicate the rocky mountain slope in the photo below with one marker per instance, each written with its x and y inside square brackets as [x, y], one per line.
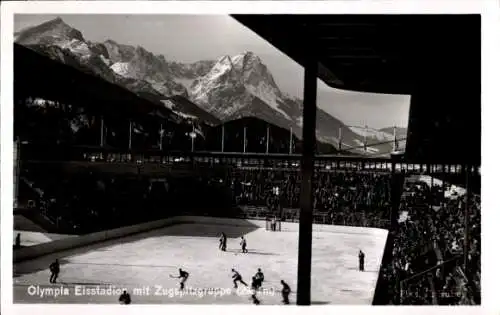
[214, 91]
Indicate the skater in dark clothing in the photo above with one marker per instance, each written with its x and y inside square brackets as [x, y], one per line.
[223, 242]
[285, 292]
[255, 300]
[361, 257]
[259, 277]
[54, 271]
[255, 284]
[124, 298]
[17, 245]
[184, 276]
[255, 287]
[237, 278]
[243, 245]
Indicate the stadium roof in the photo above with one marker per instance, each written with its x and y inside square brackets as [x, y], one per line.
[434, 58]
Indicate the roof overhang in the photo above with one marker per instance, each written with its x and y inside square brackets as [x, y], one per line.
[434, 58]
[371, 53]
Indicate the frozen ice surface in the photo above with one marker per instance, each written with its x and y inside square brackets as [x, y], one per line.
[148, 260]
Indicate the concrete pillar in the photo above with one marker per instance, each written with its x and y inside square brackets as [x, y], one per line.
[307, 169]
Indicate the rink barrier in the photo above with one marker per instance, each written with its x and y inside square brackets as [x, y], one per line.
[39, 250]
[98, 237]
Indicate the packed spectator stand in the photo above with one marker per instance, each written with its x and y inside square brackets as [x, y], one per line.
[428, 266]
[347, 198]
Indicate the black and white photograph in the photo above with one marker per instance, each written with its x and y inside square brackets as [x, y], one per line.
[247, 159]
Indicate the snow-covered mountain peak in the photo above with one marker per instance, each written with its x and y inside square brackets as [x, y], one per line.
[50, 32]
[225, 59]
[246, 58]
[220, 71]
[233, 82]
[251, 59]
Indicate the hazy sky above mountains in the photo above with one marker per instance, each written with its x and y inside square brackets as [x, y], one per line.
[189, 38]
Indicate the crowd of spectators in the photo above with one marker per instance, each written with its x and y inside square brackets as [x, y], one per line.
[348, 198]
[431, 234]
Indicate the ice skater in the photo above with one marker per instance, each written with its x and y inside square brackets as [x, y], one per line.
[124, 298]
[17, 245]
[361, 257]
[223, 242]
[183, 275]
[243, 244]
[237, 278]
[255, 300]
[255, 287]
[285, 292]
[54, 271]
[259, 276]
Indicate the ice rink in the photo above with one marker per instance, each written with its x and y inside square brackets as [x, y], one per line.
[144, 264]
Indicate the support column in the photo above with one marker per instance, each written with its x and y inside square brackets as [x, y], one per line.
[395, 147]
[396, 179]
[307, 169]
[290, 148]
[267, 140]
[222, 140]
[193, 136]
[161, 137]
[102, 131]
[340, 139]
[245, 139]
[364, 137]
[130, 135]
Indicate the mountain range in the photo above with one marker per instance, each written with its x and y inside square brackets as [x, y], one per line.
[212, 91]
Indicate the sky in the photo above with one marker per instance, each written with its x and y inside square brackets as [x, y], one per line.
[189, 38]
